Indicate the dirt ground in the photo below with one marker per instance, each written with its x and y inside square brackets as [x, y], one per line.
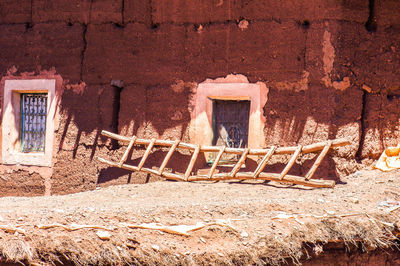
[359, 210]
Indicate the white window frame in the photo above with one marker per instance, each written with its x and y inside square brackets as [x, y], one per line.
[11, 146]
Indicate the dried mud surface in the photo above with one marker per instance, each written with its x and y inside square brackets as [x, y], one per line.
[252, 209]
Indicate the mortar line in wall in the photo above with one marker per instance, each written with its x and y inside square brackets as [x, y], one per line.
[191, 23]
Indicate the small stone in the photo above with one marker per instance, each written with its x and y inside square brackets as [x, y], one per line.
[202, 240]
[157, 219]
[243, 24]
[20, 219]
[355, 200]
[155, 247]
[103, 235]
[220, 254]
[244, 234]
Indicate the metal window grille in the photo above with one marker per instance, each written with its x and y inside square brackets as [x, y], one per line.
[33, 121]
[230, 126]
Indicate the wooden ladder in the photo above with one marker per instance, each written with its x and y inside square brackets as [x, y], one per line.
[235, 173]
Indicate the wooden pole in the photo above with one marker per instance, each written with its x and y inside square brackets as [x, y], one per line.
[281, 150]
[125, 156]
[240, 162]
[168, 156]
[291, 162]
[146, 153]
[264, 162]
[318, 160]
[269, 176]
[192, 161]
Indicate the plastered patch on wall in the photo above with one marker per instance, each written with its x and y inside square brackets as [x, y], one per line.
[232, 87]
[328, 58]
[297, 86]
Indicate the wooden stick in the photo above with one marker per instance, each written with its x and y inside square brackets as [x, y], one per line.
[281, 150]
[318, 161]
[125, 156]
[318, 183]
[239, 163]
[168, 156]
[215, 164]
[264, 162]
[146, 153]
[192, 161]
[291, 162]
[239, 176]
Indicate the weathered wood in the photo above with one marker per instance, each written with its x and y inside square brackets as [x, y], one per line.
[125, 156]
[318, 161]
[318, 183]
[146, 153]
[215, 164]
[192, 161]
[239, 164]
[167, 175]
[234, 174]
[264, 162]
[291, 162]
[239, 176]
[281, 150]
[168, 156]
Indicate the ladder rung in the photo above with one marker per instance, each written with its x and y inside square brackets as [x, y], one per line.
[318, 161]
[291, 162]
[168, 156]
[146, 153]
[239, 164]
[264, 162]
[125, 156]
[215, 164]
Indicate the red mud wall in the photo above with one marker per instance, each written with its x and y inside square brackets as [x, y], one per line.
[314, 56]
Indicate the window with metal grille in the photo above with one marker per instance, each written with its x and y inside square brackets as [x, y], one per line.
[230, 126]
[33, 122]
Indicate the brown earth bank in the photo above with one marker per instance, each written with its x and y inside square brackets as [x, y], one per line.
[331, 67]
[355, 223]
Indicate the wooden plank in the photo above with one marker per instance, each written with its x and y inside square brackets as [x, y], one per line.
[215, 164]
[192, 161]
[264, 162]
[168, 156]
[318, 161]
[239, 164]
[146, 153]
[125, 156]
[291, 162]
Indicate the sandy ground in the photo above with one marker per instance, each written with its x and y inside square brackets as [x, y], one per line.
[258, 212]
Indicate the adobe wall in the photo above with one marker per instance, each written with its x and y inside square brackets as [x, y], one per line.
[314, 56]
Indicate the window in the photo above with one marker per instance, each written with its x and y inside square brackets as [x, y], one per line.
[28, 121]
[33, 121]
[232, 104]
[230, 126]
